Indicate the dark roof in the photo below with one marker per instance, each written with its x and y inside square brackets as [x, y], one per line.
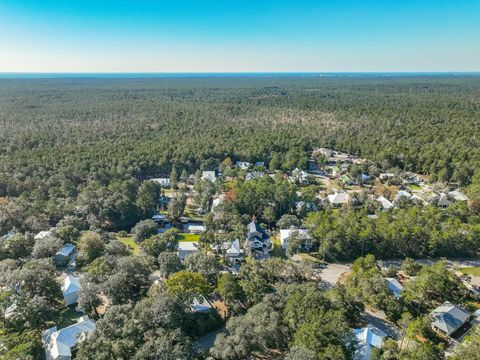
[253, 228]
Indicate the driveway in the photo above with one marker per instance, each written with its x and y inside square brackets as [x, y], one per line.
[332, 272]
[206, 341]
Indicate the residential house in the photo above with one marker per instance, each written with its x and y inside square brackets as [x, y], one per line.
[209, 175]
[234, 253]
[457, 195]
[303, 234]
[201, 305]
[7, 236]
[402, 194]
[448, 318]
[70, 289]
[186, 248]
[254, 175]
[258, 243]
[338, 199]
[195, 228]
[64, 255]
[395, 287]
[368, 338]
[164, 182]
[244, 165]
[217, 201]
[385, 204]
[443, 201]
[260, 164]
[59, 344]
[300, 176]
[386, 176]
[43, 234]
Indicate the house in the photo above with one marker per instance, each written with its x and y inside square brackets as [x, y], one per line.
[7, 236]
[443, 201]
[43, 234]
[286, 235]
[300, 176]
[260, 164]
[186, 248]
[164, 182]
[448, 318]
[457, 195]
[338, 199]
[209, 175]
[201, 305]
[234, 253]
[195, 228]
[216, 202]
[385, 204]
[402, 194]
[254, 175]
[244, 165]
[368, 338]
[304, 207]
[70, 289]
[386, 176]
[258, 242]
[64, 255]
[59, 344]
[395, 287]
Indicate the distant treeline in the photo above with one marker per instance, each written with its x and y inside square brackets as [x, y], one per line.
[72, 131]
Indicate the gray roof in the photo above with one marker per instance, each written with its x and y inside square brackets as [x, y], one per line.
[449, 318]
[254, 227]
[66, 250]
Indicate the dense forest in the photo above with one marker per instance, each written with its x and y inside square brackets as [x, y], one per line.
[65, 140]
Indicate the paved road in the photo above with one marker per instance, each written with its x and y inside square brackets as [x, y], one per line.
[206, 342]
[332, 272]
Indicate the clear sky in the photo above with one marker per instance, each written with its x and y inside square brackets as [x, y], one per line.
[240, 35]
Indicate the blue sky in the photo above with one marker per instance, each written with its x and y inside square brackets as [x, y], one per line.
[236, 36]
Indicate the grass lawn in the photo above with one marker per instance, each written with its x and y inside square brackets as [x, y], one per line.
[67, 317]
[278, 250]
[414, 187]
[475, 271]
[129, 243]
[188, 237]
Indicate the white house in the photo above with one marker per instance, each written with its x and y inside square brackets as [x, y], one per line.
[70, 289]
[234, 253]
[395, 287]
[43, 235]
[338, 199]
[59, 344]
[448, 318]
[186, 248]
[457, 195]
[286, 234]
[63, 256]
[402, 194]
[209, 175]
[385, 176]
[368, 338]
[164, 182]
[244, 165]
[384, 203]
[195, 228]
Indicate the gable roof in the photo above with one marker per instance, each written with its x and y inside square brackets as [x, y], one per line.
[395, 287]
[286, 233]
[385, 203]
[368, 338]
[210, 175]
[338, 198]
[71, 284]
[66, 250]
[59, 343]
[254, 227]
[449, 318]
[458, 195]
[234, 249]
